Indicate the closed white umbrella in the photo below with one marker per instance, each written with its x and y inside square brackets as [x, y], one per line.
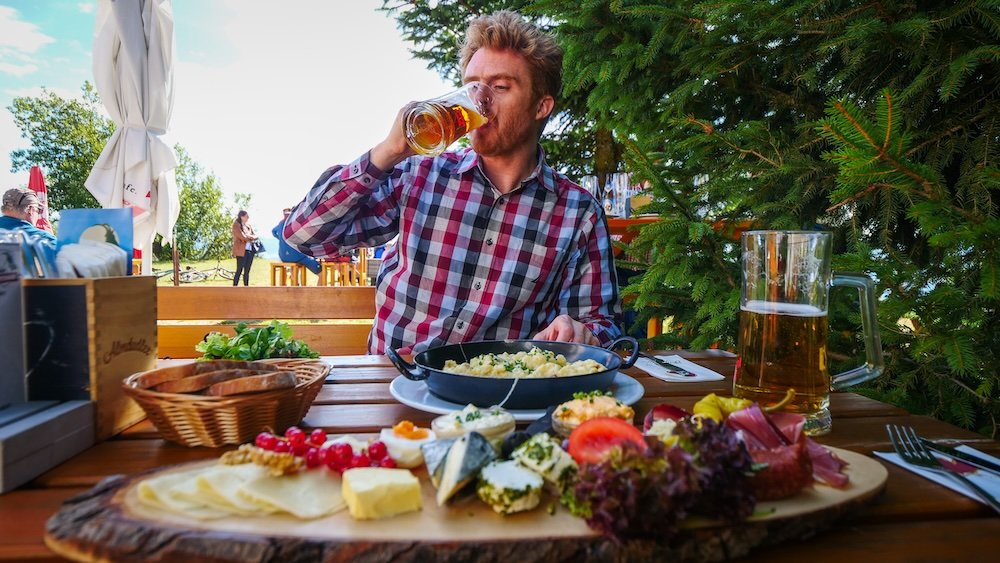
[133, 71]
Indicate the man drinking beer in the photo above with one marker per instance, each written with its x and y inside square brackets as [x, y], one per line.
[493, 243]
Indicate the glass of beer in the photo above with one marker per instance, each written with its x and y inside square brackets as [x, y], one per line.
[431, 126]
[783, 324]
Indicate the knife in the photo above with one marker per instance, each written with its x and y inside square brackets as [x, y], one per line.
[957, 454]
[671, 368]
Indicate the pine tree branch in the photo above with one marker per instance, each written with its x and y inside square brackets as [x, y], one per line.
[971, 391]
[926, 369]
[679, 204]
[948, 133]
[883, 154]
[888, 123]
[860, 195]
[710, 130]
[847, 15]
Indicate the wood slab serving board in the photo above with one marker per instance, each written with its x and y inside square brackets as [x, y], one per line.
[108, 523]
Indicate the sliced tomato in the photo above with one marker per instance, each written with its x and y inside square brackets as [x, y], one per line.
[591, 441]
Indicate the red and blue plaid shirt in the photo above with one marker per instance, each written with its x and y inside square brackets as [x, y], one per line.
[470, 263]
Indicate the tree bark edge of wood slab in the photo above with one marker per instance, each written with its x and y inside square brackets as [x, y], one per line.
[93, 527]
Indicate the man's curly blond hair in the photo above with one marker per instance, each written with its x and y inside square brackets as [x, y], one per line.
[506, 30]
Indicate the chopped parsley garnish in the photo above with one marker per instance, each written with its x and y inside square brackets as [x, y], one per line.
[515, 365]
[591, 394]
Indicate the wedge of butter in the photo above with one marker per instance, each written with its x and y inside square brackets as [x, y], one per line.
[376, 492]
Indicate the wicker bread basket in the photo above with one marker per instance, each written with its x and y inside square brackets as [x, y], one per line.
[200, 420]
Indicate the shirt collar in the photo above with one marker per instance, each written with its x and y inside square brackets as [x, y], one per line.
[544, 173]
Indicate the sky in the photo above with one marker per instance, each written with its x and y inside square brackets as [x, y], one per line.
[267, 93]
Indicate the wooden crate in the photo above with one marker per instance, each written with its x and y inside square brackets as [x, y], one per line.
[86, 335]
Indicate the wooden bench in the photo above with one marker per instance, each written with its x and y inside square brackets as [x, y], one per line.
[186, 314]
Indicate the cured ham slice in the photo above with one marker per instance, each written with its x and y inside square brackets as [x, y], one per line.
[789, 470]
[779, 431]
[827, 468]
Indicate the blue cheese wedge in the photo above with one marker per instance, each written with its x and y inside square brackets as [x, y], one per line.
[544, 455]
[509, 487]
[434, 455]
[466, 456]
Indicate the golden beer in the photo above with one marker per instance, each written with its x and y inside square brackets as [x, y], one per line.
[431, 127]
[783, 346]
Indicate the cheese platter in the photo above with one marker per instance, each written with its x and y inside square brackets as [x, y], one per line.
[471, 487]
[110, 523]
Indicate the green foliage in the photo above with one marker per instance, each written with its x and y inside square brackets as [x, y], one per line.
[876, 121]
[66, 138]
[204, 227]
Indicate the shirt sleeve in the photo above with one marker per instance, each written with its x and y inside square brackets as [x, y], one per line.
[590, 294]
[348, 206]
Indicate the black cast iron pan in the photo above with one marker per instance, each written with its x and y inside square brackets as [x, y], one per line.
[528, 393]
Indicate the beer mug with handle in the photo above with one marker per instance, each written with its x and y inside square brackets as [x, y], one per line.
[431, 126]
[783, 324]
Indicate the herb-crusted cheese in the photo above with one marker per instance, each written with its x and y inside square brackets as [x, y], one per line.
[544, 455]
[508, 487]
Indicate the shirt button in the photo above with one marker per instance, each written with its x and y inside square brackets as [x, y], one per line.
[460, 324]
[489, 242]
[478, 285]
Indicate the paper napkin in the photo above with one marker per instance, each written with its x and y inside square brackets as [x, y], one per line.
[987, 480]
[700, 373]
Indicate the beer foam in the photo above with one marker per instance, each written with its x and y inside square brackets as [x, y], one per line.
[790, 309]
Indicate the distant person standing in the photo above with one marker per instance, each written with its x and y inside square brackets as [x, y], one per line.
[21, 209]
[245, 247]
[288, 253]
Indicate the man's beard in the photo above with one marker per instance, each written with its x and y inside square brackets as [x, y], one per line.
[503, 137]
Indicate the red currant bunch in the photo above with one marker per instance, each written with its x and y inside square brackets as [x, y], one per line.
[338, 457]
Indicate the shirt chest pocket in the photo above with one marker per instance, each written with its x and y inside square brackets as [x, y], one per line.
[536, 273]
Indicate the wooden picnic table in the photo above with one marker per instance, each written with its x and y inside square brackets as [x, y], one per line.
[914, 519]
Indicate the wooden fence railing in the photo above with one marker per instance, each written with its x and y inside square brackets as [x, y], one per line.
[332, 320]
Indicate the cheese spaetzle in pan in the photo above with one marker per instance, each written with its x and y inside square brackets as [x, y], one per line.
[534, 364]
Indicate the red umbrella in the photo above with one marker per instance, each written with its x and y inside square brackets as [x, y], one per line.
[36, 183]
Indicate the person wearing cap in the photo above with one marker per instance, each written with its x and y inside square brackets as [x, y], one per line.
[20, 212]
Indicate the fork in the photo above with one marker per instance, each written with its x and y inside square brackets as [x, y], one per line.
[907, 444]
